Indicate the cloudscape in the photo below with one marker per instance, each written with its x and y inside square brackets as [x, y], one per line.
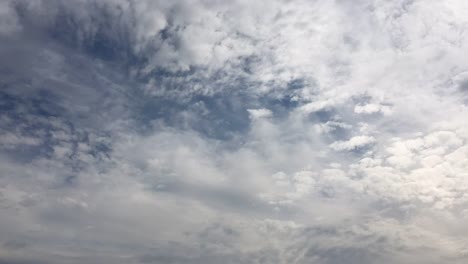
[233, 132]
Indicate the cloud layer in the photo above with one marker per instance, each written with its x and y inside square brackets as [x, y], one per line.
[211, 132]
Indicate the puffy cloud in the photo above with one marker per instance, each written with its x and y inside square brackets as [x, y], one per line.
[417, 169]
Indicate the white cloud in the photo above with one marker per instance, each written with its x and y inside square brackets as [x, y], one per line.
[330, 126]
[317, 106]
[372, 108]
[353, 143]
[259, 113]
[9, 140]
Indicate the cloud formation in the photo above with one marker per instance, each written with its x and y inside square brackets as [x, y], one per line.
[211, 132]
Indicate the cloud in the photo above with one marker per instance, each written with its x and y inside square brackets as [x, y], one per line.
[9, 21]
[372, 108]
[259, 113]
[206, 132]
[330, 126]
[353, 143]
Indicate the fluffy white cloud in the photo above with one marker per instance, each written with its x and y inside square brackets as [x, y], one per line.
[353, 143]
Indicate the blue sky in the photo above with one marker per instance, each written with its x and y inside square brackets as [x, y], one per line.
[322, 132]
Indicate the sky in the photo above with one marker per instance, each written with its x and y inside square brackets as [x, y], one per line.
[234, 132]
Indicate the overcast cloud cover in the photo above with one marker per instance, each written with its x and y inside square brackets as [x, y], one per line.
[282, 132]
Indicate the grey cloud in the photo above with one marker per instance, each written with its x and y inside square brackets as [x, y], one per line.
[14, 245]
[18, 261]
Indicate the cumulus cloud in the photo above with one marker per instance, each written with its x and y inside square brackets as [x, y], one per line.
[212, 132]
